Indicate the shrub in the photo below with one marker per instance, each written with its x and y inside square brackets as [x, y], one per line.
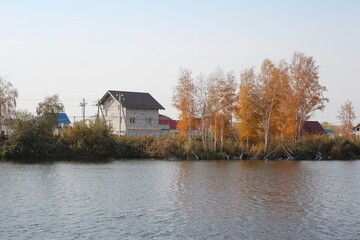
[92, 140]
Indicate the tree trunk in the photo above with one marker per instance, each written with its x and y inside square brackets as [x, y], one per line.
[247, 143]
[222, 136]
[203, 136]
[215, 136]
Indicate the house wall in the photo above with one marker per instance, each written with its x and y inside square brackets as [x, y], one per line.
[7, 130]
[146, 122]
[357, 132]
[112, 115]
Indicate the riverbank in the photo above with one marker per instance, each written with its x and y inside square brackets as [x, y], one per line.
[100, 145]
[94, 140]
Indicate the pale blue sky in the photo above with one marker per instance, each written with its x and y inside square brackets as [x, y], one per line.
[83, 48]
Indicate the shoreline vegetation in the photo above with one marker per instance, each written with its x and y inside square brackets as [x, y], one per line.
[94, 141]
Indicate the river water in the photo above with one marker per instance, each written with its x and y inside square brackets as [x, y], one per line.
[180, 200]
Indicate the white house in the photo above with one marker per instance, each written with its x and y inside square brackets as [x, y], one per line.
[131, 113]
[356, 130]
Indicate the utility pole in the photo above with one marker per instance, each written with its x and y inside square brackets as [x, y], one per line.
[120, 95]
[99, 109]
[82, 105]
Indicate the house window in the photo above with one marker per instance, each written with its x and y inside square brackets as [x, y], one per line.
[132, 120]
[148, 120]
[358, 129]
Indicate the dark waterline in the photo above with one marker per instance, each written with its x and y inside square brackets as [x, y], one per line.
[180, 200]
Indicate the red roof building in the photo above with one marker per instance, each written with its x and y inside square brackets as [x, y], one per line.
[165, 120]
[312, 127]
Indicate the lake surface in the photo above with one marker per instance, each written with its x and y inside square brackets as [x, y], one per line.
[180, 200]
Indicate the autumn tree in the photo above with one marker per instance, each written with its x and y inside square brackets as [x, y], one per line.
[247, 108]
[184, 101]
[222, 97]
[8, 97]
[201, 108]
[270, 96]
[227, 95]
[307, 93]
[213, 107]
[284, 119]
[283, 96]
[347, 116]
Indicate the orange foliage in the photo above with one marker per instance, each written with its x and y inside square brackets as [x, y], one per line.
[278, 100]
[184, 101]
[347, 116]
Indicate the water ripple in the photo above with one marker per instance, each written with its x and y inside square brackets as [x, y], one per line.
[180, 200]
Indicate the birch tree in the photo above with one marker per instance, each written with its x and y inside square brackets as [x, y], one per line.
[308, 94]
[8, 97]
[347, 116]
[202, 111]
[184, 101]
[222, 98]
[228, 97]
[269, 97]
[284, 119]
[247, 108]
[48, 110]
[50, 105]
[214, 105]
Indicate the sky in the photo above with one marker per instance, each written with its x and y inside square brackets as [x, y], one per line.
[80, 49]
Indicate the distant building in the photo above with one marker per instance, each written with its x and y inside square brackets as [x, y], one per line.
[62, 121]
[62, 118]
[167, 124]
[6, 130]
[312, 127]
[330, 133]
[131, 113]
[356, 130]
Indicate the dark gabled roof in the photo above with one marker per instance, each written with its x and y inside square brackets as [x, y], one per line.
[312, 127]
[134, 99]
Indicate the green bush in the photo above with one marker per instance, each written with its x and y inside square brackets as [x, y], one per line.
[91, 140]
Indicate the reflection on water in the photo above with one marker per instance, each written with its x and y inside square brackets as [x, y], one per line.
[180, 200]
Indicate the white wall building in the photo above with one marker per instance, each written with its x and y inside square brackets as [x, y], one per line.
[131, 113]
[356, 130]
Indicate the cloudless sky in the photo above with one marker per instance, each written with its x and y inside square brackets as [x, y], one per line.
[81, 49]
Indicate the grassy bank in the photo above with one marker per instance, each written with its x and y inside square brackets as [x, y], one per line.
[95, 141]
